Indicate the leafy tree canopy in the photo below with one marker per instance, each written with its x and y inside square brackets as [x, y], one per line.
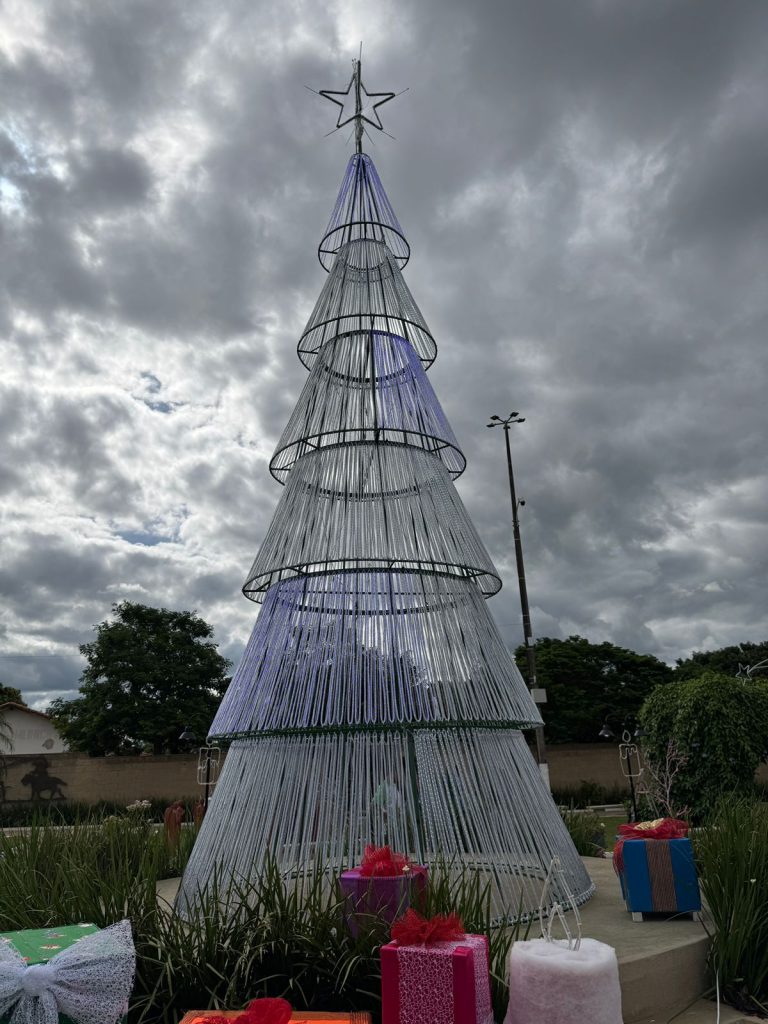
[587, 682]
[720, 725]
[11, 695]
[725, 660]
[150, 673]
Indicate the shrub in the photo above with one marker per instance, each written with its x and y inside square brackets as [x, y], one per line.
[258, 938]
[97, 871]
[70, 812]
[587, 831]
[732, 857]
[588, 793]
[719, 724]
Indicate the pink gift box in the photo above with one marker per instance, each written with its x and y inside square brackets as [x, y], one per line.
[384, 896]
[442, 983]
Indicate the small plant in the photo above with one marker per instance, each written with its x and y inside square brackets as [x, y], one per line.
[263, 936]
[732, 856]
[588, 793]
[656, 786]
[143, 807]
[587, 831]
[71, 812]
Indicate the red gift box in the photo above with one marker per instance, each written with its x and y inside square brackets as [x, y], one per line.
[439, 983]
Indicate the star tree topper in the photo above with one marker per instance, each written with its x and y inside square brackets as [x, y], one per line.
[357, 96]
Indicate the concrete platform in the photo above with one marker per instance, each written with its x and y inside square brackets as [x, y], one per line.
[662, 963]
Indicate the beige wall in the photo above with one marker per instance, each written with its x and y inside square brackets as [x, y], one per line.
[88, 779]
[125, 779]
[570, 764]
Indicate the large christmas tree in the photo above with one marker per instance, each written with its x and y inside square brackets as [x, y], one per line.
[376, 701]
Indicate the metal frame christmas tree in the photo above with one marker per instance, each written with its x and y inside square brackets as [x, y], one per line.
[376, 701]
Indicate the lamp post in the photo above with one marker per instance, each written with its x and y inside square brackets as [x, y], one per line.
[631, 730]
[541, 751]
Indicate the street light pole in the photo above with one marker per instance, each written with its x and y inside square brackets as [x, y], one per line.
[496, 421]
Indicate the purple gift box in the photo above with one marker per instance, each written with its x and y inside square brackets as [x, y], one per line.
[384, 896]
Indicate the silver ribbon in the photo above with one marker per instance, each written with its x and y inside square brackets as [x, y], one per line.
[90, 981]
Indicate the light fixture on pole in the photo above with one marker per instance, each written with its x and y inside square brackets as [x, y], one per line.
[539, 695]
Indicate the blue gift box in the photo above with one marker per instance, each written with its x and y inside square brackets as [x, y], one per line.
[659, 877]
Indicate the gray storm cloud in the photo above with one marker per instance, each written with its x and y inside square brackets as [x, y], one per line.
[585, 189]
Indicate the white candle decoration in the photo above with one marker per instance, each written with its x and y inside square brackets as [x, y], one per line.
[552, 984]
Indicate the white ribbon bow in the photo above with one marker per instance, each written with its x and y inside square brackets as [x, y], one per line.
[90, 981]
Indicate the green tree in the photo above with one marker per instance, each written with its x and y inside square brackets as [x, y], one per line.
[587, 682]
[11, 695]
[150, 673]
[720, 725]
[726, 660]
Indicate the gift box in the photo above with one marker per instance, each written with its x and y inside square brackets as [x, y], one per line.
[201, 1016]
[384, 896]
[42, 965]
[444, 982]
[659, 876]
[39, 945]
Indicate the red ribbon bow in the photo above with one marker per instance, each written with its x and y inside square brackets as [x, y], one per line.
[258, 1011]
[379, 861]
[662, 828]
[414, 930]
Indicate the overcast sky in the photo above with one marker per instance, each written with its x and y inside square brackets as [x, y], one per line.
[585, 189]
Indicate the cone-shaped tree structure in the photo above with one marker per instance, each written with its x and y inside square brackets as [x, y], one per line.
[376, 701]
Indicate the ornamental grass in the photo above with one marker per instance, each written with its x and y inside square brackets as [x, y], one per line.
[258, 937]
[732, 858]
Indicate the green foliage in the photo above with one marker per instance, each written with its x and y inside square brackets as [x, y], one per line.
[151, 673]
[726, 660]
[586, 682]
[732, 857]
[11, 695]
[98, 871]
[588, 793]
[72, 812]
[720, 725]
[261, 937]
[587, 831]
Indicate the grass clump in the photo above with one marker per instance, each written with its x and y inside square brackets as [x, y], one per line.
[732, 857]
[588, 793]
[98, 871]
[259, 937]
[73, 812]
[587, 830]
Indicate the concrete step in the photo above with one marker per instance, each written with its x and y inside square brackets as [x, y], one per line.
[705, 1012]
